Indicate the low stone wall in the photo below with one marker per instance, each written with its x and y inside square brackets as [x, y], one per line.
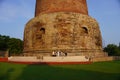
[49, 59]
[109, 58]
[23, 59]
[66, 59]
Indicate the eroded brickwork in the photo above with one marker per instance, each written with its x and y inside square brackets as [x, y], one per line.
[62, 25]
[62, 31]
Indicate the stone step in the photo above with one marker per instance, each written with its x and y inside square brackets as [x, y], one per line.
[66, 59]
[49, 59]
[18, 58]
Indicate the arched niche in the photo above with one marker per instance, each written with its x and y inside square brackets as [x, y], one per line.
[84, 30]
[42, 30]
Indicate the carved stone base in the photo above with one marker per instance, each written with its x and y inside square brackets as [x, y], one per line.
[73, 33]
[87, 53]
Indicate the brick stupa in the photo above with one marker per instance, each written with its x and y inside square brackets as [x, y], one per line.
[62, 25]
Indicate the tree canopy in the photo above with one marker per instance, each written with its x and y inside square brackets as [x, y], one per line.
[112, 50]
[14, 45]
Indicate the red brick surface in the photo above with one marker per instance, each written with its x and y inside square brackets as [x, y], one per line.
[3, 59]
[49, 6]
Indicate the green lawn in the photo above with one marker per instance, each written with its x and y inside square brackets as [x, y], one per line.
[94, 71]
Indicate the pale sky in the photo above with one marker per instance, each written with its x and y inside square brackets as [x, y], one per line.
[14, 14]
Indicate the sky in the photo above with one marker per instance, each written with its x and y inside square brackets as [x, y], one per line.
[14, 14]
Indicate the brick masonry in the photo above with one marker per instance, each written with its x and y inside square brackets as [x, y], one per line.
[62, 25]
[71, 32]
[50, 6]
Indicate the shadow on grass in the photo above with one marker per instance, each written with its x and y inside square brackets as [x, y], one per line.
[7, 74]
[47, 72]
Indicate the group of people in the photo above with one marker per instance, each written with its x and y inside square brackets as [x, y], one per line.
[58, 53]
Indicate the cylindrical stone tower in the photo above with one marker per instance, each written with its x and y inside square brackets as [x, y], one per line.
[51, 6]
[62, 25]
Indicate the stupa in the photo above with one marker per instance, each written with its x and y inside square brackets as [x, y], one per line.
[62, 25]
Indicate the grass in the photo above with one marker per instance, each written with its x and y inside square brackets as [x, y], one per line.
[94, 71]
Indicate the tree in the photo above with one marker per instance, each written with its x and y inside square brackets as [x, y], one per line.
[112, 50]
[15, 46]
[119, 45]
[3, 42]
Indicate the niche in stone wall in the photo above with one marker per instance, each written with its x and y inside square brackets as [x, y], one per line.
[84, 31]
[39, 30]
[42, 30]
[39, 35]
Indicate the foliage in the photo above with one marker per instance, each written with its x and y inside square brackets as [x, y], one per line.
[95, 71]
[15, 46]
[3, 42]
[112, 50]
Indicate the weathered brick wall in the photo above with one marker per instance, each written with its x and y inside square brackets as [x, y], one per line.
[62, 25]
[49, 6]
[109, 58]
[71, 32]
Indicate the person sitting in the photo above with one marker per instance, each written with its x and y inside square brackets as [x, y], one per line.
[65, 54]
[53, 54]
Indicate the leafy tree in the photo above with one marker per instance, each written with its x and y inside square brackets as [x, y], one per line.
[15, 46]
[112, 49]
[3, 42]
[119, 45]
